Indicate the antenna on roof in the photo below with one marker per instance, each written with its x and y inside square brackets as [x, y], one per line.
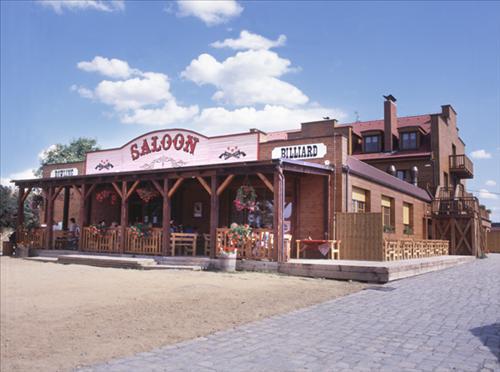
[326, 118]
[390, 97]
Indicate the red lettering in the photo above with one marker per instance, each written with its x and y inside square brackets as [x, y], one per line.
[145, 148]
[154, 144]
[166, 142]
[191, 144]
[134, 152]
[178, 141]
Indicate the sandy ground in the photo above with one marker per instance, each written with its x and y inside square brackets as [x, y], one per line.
[57, 317]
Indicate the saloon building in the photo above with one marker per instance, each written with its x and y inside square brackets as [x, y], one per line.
[378, 190]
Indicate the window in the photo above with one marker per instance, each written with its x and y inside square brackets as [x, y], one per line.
[388, 213]
[359, 200]
[408, 140]
[408, 218]
[403, 174]
[372, 143]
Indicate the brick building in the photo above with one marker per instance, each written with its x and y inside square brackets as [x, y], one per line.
[400, 172]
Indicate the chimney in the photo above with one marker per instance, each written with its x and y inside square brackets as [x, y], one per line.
[390, 122]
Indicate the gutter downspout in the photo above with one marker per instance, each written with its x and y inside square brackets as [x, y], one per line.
[347, 169]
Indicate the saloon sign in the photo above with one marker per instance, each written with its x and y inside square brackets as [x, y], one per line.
[171, 149]
[301, 151]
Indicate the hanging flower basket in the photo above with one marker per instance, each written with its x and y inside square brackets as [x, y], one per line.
[246, 198]
[36, 201]
[147, 194]
[102, 195]
[139, 230]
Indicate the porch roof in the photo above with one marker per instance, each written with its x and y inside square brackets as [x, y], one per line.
[262, 166]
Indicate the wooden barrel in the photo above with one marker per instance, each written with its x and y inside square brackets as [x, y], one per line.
[7, 248]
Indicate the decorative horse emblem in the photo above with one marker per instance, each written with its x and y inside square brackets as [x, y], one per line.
[104, 164]
[232, 152]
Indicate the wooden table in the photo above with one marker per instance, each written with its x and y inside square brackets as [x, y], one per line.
[333, 247]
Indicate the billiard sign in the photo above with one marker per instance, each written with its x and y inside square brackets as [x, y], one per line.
[173, 149]
[63, 172]
[300, 151]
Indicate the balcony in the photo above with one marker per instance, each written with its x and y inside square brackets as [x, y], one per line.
[461, 166]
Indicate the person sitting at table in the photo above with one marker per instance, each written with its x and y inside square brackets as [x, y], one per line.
[74, 229]
[114, 224]
[102, 224]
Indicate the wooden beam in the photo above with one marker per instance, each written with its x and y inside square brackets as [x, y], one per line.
[158, 187]
[26, 193]
[82, 215]
[50, 218]
[176, 185]
[20, 207]
[117, 189]
[132, 189]
[165, 246]
[123, 217]
[58, 190]
[225, 184]
[214, 216]
[266, 181]
[279, 201]
[204, 184]
[66, 208]
[89, 191]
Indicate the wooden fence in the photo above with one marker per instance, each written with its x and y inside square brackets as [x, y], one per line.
[407, 249]
[32, 238]
[105, 241]
[493, 241]
[361, 235]
[260, 245]
[363, 239]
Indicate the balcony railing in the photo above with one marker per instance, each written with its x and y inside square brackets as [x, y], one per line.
[462, 166]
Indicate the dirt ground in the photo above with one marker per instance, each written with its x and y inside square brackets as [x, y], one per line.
[57, 317]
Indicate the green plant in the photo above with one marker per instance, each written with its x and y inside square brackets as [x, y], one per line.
[246, 198]
[408, 230]
[140, 230]
[389, 229]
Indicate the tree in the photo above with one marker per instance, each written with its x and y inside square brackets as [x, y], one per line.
[60, 153]
[8, 208]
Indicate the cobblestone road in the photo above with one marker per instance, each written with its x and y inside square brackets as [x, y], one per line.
[446, 320]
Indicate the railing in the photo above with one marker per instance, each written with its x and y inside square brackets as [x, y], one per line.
[461, 163]
[31, 238]
[148, 244]
[406, 249]
[104, 241]
[455, 206]
[260, 245]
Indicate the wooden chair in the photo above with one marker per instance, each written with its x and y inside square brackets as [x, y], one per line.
[206, 249]
[184, 242]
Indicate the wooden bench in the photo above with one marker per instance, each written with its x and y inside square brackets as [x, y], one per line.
[206, 249]
[65, 239]
[333, 247]
[184, 242]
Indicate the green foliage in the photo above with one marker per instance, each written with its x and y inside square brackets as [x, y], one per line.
[60, 153]
[8, 208]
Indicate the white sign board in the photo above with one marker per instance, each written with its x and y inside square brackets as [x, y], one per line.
[173, 148]
[302, 151]
[64, 172]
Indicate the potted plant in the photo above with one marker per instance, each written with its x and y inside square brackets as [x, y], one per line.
[237, 236]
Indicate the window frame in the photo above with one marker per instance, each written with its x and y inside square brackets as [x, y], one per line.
[402, 141]
[379, 142]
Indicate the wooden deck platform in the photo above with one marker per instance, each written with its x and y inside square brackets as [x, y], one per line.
[370, 271]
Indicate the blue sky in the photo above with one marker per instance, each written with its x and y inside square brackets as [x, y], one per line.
[112, 70]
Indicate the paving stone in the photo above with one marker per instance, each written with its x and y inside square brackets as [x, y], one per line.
[442, 321]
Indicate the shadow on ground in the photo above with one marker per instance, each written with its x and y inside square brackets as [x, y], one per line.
[490, 337]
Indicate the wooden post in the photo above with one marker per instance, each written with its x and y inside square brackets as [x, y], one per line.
[331, 212]
[20, 207]
[82, 214]
[166, 219]
[326, 209]
[123, 217]
[65, 208]
[50, 218]
[279, 201]
[214, 215]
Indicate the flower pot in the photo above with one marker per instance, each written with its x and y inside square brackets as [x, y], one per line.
[227, 262]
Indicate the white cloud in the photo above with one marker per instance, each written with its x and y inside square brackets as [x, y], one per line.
[113, 68]
[218, 120]
[480, 154]
[25, 174]
[490, 183]
[210, 12]
[140, 97]
[42, 155]
[249, 77]
[59, 6]
[248, 40]
[485, 194]
[82, 91]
